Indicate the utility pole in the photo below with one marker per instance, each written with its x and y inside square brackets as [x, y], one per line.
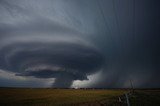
[132, 89]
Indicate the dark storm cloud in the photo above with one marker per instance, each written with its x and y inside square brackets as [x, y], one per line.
[59, 39]
[64, 58]
[59, 54]
[59, 58]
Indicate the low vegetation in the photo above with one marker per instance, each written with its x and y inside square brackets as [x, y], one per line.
[73, 97]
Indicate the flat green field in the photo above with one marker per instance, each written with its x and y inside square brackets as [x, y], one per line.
[67, 97]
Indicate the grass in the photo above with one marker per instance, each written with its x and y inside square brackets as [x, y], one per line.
[67, 97]
[145, 98]
[50, 97]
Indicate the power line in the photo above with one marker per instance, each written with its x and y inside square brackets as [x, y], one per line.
[133, 20]
[116, 16]
[103, 16]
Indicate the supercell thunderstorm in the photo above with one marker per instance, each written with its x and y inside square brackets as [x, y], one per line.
[79, 43]
[64, 58]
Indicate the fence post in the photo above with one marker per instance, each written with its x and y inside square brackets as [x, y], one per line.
[127, 99]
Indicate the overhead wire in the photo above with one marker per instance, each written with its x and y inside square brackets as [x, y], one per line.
[133, 21]
[103, 16]
[116, 16]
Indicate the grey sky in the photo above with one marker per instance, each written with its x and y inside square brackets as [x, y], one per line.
[101, 43]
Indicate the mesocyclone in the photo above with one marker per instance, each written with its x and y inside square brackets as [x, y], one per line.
[64, 58]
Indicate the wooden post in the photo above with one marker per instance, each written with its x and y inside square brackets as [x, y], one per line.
[127, 99]
[132, 89]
